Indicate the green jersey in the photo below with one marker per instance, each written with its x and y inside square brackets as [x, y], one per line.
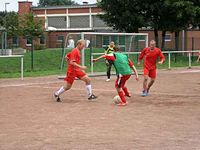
[121, 64]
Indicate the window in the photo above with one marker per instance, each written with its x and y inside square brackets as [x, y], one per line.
[15, 41]
[42, 40]
[141, 38]
[28, 41]
[168, 37]
[60, 38]
[106, 41]
[59, 22]
[79, 22]
[97, 22]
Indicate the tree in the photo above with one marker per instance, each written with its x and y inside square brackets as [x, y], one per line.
[196, 20]
[161, 15]
[56, 2]
[123, 15]
[31, 27]
[10, 22]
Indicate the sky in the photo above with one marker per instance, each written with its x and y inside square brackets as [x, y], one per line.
[13, 6]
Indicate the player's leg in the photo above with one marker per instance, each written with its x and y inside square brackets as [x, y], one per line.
[118, 85]
[145, 82]
[124, 88]
[109, 67]
[67, 86]
[152, 75]
[82, 76]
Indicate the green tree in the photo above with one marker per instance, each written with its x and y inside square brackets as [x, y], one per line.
[10, 22]
[31, 27]
[162, 15]
[56, 2]
[123, 15]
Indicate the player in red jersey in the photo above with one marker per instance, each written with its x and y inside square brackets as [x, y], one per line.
[150, 55]
[74, 70]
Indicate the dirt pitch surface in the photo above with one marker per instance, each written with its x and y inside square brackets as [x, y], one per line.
[169, 119]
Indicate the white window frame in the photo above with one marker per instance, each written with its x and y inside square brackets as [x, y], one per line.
[168, 40]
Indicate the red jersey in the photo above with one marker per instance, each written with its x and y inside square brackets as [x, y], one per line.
[74, 56]
[150, 57]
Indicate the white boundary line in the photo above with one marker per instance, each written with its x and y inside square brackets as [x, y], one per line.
[112, 91]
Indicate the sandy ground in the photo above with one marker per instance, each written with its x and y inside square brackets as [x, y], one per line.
[169, 119]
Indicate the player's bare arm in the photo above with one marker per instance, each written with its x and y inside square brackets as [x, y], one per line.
[136, 72]
[162, 58]
[95, 60]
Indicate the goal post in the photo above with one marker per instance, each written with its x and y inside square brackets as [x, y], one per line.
[96, 42]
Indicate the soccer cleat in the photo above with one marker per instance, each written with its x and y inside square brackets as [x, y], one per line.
[128, 95]
[92, 97]
[144, 93]
[122, 104]
[108, 80]
[57, 98]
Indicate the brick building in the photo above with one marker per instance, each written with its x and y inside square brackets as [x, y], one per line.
[61, 20]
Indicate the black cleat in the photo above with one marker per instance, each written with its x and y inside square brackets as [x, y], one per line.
[92, 97]
[57, 98]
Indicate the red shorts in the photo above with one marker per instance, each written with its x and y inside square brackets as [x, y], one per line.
[121, 81]
[150, 73]
[72, 75]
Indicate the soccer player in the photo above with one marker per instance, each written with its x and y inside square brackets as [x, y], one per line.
[74, 70]
[150, 55]
[123, 66]
[109, 51]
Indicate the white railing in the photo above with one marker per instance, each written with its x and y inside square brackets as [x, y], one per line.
[164, 52]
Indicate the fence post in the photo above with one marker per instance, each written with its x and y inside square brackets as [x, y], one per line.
[169, 59]
[190, 61]
[63, 50]
[192, 48]
[92, 65]
[22, 68]
[32, 48]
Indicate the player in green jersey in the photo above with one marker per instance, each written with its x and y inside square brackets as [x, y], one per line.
[124, 67]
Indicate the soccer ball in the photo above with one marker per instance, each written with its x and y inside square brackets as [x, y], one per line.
[117, 99]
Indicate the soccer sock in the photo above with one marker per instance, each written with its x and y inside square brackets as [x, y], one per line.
[60, 91]
[126, 91]
[121, 95]
[89, 89]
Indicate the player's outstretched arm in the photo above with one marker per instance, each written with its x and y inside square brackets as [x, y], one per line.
[95, 60]
[134, 69]
[136, 72]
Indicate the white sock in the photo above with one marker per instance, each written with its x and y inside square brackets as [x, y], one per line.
[89, 89]
[60, 91]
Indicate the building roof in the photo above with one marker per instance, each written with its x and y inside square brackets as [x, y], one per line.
[63, 7]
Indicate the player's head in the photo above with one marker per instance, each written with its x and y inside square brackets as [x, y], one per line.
[112, 44]
[117, 49]
[152, 44]
[80, 44]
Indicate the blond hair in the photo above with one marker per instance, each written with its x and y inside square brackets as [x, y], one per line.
[80, 42]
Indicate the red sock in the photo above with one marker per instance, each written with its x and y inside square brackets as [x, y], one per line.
[126, 91]
[121, 95]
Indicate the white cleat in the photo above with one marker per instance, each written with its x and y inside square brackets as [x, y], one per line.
[108, 80]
